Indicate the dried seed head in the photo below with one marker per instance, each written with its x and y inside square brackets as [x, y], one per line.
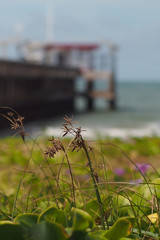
[101, 166]
[50, 152]
[10, 114]
[22, 134]
[90, 149]
[56, 147]
[68, 126]
[96, 177]
[15, 126]
[19, 119]
[68, 121]
[16, 122]
[77, 144]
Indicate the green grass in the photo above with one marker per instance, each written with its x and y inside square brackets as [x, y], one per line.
[76, 183]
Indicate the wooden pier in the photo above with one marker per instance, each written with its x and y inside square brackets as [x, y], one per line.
[42, 91]
[109, 94]
[37, 90]
[64, 54]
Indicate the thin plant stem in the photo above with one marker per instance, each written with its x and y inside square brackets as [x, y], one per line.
[20, 182]
[105, 171]
[102, 214]
[71, 175]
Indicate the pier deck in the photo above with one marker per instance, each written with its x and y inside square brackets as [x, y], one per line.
[33, 87]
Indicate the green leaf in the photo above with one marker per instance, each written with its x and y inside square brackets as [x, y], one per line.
[10, 231]
[55, 231]
[121, 205]
[28, 219]
[98, 235]
[142, 197]
[47, 230]
[147, 233]
[53, 214]
[121, 228]
[79, 235]
[50, 213]
[98, 238]
[81, 220]
[92, 207]
[124, 238]
[61, 218]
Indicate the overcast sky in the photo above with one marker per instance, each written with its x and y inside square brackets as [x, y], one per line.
[134, 25]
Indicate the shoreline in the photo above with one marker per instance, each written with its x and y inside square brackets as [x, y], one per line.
[90, 133]
[110, 133]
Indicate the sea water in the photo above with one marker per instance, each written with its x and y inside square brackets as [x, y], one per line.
[137, 114]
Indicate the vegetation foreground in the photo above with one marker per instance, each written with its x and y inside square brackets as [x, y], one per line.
[71, 189]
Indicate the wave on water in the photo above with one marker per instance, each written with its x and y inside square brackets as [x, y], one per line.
[137, 115]
[150, 130]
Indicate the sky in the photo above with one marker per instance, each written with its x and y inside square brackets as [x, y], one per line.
[133, 25]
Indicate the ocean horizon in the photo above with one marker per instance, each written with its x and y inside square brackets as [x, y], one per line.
[137, 114]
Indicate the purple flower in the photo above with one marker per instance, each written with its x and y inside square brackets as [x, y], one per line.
[137, 181]
[119, 171]
[142, 167]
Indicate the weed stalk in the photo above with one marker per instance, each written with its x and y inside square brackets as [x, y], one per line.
[102, 213]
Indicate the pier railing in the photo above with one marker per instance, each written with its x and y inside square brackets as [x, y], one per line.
[109, 93]
[24, 84]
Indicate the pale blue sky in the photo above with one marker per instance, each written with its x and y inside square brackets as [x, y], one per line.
[134, 25]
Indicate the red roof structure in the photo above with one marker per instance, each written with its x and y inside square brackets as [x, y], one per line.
[68, 47]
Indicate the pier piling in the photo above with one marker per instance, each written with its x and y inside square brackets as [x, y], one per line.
[112, 89]
[90, 100]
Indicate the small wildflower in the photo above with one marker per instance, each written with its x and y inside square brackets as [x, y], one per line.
[137, 181]
[142, 167]
[119, 171]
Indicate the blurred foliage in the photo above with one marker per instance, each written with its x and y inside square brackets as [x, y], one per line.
[32, 184]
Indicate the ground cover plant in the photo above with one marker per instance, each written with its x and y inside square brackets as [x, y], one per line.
[71, 188]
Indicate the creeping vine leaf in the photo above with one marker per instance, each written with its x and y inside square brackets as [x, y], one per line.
[121, 228]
